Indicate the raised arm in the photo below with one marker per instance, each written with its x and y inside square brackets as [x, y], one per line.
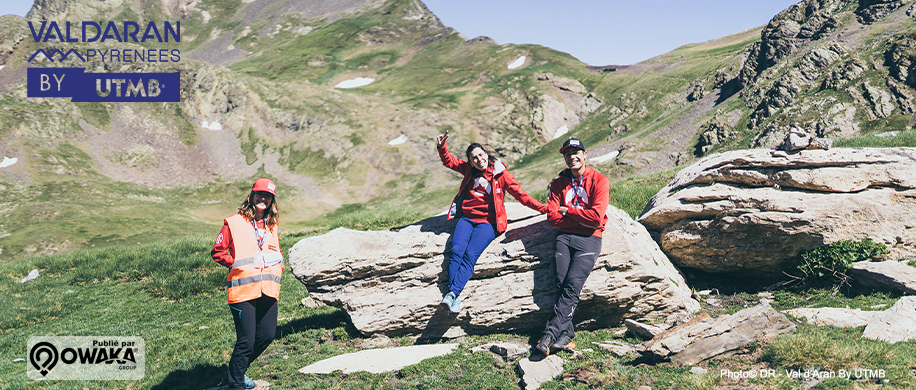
[448, 160]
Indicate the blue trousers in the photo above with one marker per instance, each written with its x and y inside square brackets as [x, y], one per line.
[468, 242]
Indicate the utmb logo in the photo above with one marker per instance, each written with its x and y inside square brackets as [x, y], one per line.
[103, 87]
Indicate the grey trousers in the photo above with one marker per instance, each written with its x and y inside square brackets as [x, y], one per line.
[575, 257]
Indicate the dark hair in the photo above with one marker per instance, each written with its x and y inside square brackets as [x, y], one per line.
[490, 156]
[271, 215]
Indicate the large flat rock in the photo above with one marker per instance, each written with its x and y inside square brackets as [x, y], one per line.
[535, 372]
[391, 282]
[888, 275]
[835, 316]
[750, 211]
[895, 324]
[378, 361]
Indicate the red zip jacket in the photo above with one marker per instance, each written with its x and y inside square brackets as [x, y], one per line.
[502, 179]
[590, 216]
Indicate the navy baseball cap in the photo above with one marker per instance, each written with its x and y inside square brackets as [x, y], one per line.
[572, 143]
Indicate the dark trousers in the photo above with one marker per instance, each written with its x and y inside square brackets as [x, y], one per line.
[469, 240]
[575, 257]
[255, 328]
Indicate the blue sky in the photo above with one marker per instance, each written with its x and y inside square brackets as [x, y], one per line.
[597, 32]
[606, 32]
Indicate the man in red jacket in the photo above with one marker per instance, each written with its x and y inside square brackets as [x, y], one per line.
[577, 206]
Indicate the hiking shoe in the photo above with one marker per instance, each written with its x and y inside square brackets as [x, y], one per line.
[455, 306]
[448, 300]
[564, 342]
[249, 384]
[544, 343]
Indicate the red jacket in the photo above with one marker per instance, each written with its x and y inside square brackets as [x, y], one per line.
[502, 179]
[590, 216]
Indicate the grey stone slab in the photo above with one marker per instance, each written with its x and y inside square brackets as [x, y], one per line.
[895, 324]
[539, 371]
[889, 275]
[378, 360]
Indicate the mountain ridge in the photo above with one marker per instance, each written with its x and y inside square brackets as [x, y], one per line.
[259, 99]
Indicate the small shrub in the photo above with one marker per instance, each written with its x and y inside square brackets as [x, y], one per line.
[829, 263]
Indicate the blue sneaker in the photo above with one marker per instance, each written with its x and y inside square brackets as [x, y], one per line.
[448, 300]
[455, 307]
[249, 384]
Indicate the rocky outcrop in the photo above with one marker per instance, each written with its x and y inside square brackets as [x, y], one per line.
[391, 282]
[808, 20]
[753, 210]
[841, 75]
[555, 103]
[706, 337]
[802, 76]
[718, 130]
[900, 59]
[871, 11]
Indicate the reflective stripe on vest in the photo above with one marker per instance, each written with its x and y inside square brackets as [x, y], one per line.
[246, 281]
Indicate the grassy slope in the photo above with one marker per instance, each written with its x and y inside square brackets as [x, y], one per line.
[166, 292]
[651, 84]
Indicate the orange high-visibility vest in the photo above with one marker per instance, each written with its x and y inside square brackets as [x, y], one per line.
[246, 280]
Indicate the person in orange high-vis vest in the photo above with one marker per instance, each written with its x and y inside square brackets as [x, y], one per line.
[248, 244]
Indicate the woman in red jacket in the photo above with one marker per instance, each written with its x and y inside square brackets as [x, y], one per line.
[480, 209]
[248, 244]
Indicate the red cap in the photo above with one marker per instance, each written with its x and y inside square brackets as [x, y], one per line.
[265, 185]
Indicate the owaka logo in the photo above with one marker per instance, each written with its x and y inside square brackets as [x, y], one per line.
[43, 365]
[82, 358]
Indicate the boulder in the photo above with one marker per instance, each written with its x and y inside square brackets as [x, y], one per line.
[706, 337]
[887, 275]
[895, 324]
[749, 211]
[391, 282]
[834, 316]
[378, 361]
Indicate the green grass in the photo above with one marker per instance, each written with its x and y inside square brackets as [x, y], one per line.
[360, 218]
[165, 292]
[905, 138]
[73, 207]
[632, 194]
